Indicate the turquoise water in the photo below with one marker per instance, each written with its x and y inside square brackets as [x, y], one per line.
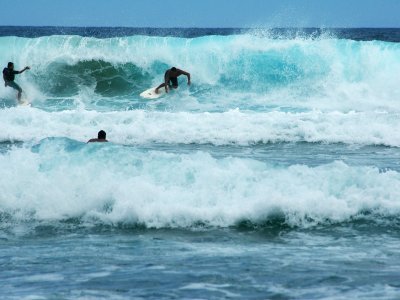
[274, 175]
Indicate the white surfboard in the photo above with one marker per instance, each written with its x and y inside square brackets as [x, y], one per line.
[24, 102]
[151, 93]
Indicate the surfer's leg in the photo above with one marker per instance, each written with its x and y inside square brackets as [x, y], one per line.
[15, 87]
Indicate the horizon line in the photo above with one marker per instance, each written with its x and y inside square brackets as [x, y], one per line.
[152, 27]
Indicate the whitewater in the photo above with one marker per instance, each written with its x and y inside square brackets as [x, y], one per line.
[314, 90]
[275, 174]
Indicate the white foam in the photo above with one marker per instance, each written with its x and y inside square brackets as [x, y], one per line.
[114, 185]
[235, 126]
[44, 277]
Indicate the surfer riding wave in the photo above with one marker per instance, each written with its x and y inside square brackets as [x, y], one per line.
[171, 79]
[9, 76]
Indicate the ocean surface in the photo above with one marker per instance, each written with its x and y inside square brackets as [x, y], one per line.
[274, 175]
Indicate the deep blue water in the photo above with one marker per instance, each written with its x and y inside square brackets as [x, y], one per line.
[274, 175]
[358, 34]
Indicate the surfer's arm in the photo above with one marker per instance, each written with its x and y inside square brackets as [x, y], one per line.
[186, 74]
[23, 70]
[166, 80]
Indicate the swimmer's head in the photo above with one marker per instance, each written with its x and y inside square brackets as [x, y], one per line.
[101, 135]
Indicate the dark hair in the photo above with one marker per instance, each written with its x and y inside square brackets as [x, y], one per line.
[10, 64]
[173, 69]
[101, 135]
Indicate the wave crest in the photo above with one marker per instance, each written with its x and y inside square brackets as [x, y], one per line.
[296, 69]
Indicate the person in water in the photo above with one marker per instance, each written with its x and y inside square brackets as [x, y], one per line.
[9, 76]
[171, 79]
[101, 137]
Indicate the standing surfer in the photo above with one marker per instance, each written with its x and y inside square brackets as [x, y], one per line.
[9, 76]
[171, 79]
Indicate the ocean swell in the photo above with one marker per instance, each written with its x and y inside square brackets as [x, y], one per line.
[302, 72]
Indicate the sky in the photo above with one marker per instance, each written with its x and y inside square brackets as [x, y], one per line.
[202, 13]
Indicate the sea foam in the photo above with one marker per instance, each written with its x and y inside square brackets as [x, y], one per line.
[60, 179]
